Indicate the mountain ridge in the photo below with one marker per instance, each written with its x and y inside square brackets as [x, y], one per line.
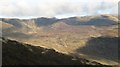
[100, 20]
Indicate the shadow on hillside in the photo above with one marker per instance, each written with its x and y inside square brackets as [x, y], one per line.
[101, 47]
[16, 53]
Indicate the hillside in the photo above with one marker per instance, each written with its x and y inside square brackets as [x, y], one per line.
[4, 25]
[67, 35]
[40, 26]
[16, 53]
[77, 20]
[105, 47]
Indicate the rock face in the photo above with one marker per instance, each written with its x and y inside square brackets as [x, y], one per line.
[15, 53]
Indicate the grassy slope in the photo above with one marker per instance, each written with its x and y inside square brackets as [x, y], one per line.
[15, 53]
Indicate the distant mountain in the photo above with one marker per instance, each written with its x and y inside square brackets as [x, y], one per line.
[16, 53]
[23, 27]
[85, 20]
[101, 20]
[45, 21]
[32, 26]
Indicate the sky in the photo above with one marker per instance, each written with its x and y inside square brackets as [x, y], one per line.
[56, 8]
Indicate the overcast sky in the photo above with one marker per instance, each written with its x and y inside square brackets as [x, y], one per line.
[56, 8]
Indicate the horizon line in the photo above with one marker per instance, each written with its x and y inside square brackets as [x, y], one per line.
[32, 17]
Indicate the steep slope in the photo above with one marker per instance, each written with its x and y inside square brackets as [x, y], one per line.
[15, 22]
[15, 53]
[45, 21]
[24, 26]
[4, 25]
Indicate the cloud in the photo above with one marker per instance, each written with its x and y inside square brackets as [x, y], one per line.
[51, 8]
